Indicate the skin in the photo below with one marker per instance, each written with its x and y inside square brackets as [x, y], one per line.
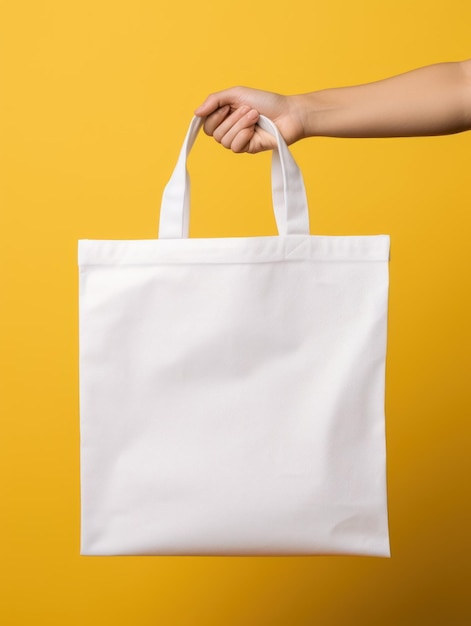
[432, 100]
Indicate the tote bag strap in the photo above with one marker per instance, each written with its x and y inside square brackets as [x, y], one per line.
[288, 191]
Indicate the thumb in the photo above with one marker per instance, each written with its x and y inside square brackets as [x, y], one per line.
[205, 108]
[215, 101]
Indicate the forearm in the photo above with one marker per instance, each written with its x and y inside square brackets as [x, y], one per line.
[433, 100]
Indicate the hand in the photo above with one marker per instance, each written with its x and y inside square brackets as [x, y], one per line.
[232, 115]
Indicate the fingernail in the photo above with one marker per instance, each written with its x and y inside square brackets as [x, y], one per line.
[252, 115]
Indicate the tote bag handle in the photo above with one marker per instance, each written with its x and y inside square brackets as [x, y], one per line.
[288, 191]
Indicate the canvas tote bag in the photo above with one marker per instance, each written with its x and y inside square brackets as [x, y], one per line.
[232, 389]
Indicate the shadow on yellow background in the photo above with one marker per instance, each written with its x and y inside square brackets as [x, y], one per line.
[95, 98]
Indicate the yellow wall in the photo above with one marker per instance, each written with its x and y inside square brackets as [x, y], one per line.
[95, 97]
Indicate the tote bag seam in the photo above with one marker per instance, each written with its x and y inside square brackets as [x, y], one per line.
[193, 263]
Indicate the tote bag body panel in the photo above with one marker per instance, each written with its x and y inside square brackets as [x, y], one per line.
[232, 396]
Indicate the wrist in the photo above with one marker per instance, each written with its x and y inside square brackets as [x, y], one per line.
[311, 111]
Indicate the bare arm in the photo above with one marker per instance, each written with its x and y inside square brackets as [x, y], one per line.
[432, 100]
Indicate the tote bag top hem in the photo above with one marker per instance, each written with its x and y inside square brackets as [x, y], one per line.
[234, 250]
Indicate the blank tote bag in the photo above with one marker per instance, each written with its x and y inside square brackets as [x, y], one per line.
[232, 389]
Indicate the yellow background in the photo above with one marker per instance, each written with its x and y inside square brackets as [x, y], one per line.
[95, 99]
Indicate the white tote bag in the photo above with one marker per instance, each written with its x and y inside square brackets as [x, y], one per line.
[232, 389]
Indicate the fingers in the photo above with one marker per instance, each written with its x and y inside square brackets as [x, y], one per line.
[239, 120]
[231, 122]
